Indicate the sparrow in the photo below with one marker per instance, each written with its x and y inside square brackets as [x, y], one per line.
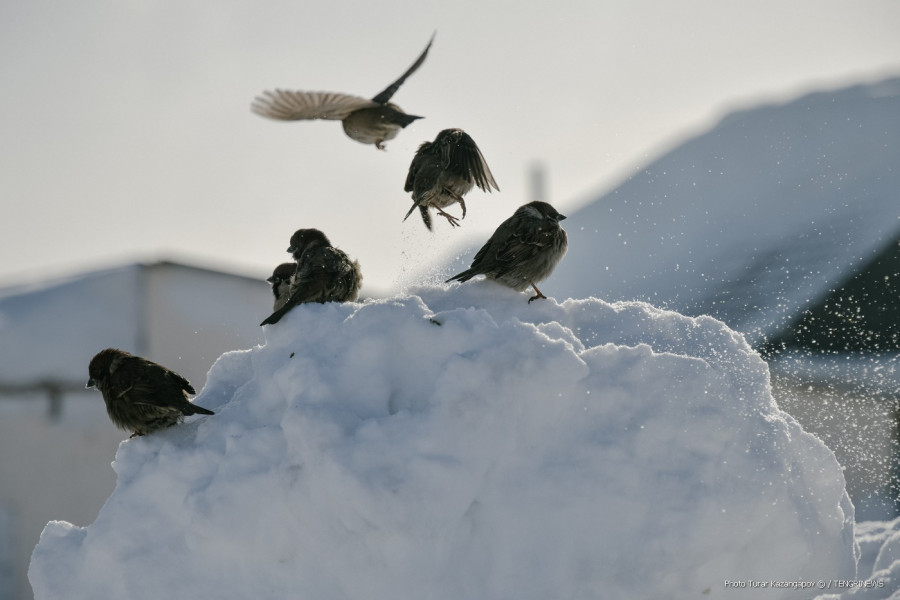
[141, 396]
[443, 171]
[281, 283]
[523, 250]
[368, 121]
[323, 273]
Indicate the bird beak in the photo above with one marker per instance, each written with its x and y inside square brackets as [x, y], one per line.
[560, 217]
[90, 384]
[291, 249]
[271, 279]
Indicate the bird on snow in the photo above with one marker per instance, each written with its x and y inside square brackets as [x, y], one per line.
[523, 250]
[445, 170]
[280, 279]
[323, 273]
[141, 396]
[368, 121]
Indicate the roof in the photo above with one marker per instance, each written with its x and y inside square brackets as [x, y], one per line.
[50, 330]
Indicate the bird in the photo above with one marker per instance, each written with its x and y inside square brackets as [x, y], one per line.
[323, 273]
[281, 283]
[367, 121]
[140, 395]
[445, 170]
[523, 250]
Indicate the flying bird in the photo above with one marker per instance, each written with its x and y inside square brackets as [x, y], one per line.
[368, 121]
[445, 170]
[281, 283]
[523, 250]
[141, 396]
[323, 273]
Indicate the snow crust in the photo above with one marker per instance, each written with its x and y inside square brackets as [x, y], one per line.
[462, 443]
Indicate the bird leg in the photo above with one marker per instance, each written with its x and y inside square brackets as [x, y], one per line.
[458, 198]
[539, 294]
[454, 222]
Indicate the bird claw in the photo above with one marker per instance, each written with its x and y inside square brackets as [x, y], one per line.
[538, 296]
[380, 145]
[454, 222]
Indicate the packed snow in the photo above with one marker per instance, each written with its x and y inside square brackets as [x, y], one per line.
[462, 443]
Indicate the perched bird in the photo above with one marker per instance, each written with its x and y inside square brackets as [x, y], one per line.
[281, 283]
[445, 170]
[141, 396]
[368, 121]
[324, 273]
[523, 250]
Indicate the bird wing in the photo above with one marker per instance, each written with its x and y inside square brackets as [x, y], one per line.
[424, 172]
[145, 382]
[287, 105]
[419, 160]
[466, 159]
[513, 242]
[384, 95]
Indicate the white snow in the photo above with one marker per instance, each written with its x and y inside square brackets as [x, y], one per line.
[461, 443]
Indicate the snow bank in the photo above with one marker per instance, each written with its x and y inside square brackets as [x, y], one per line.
[465, 444]
[878, 567]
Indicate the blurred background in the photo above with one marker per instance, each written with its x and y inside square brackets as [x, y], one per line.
[724, 158]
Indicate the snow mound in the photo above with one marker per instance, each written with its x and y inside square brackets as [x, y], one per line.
[878, 566]
[462, 443]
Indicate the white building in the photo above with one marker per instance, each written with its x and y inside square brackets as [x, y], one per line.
[56, 442]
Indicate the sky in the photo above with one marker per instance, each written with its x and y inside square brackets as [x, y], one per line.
[127, 134]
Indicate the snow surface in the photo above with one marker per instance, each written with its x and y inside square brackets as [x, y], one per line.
[462, 443]
[879, 564]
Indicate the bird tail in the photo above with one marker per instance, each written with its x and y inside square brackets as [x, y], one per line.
[276, 316]
[193, 409]
[409, 212]
[464, 276]
[426, 218]
[403, 119]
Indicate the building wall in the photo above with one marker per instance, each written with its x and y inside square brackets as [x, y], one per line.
[55, 463]
[50, 469]
[194, 315]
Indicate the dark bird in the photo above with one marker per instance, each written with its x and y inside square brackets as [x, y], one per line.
[141, 396]
[281, 283]
[368, 121]
[324, 273]
[445, 170]
[523, 250]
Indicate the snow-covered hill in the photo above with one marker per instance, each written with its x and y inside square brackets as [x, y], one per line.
[751, 221]
[464, 444]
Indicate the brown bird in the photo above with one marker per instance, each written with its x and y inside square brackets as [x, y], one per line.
[281, 283]
[445, 170]
[324, 273]
[368, 121]
[523, 250]
[141, 396]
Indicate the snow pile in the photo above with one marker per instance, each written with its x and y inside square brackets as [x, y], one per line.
[879, 564]
[465, 444]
